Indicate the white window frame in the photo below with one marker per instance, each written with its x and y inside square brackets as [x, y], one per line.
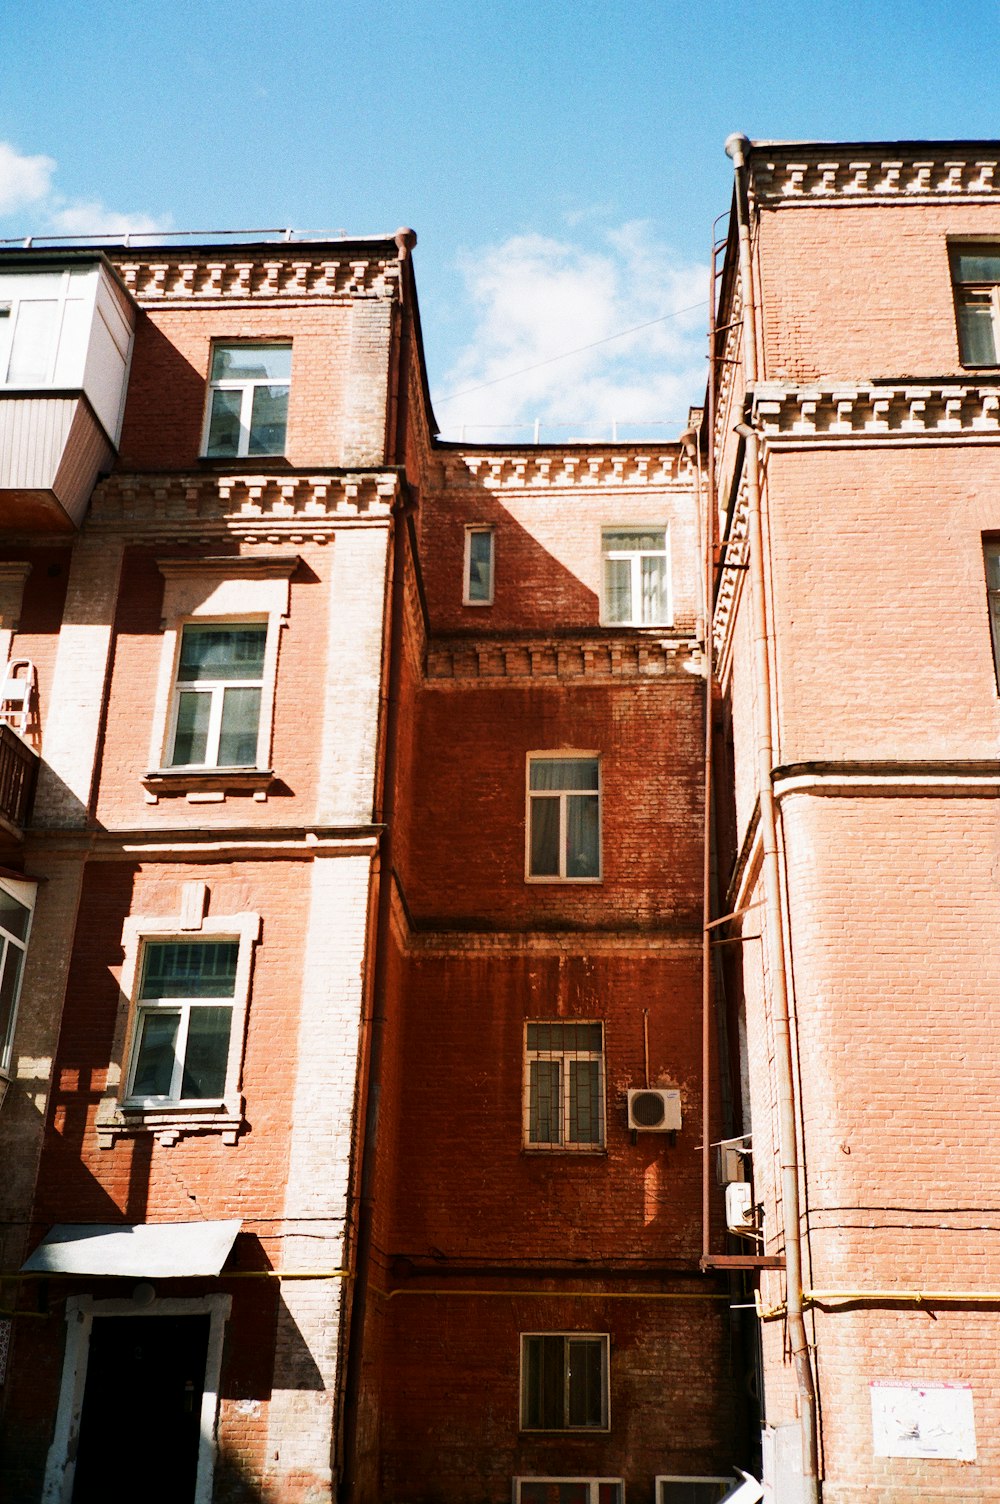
[635, 556]
[565, 1143]
[205, 592]
[984, 292]
[472, 529]
[563, 795]
[119, 1113]
[247, 385]
[605, 1341]
[217, 688]
[81, 1310]
[183, 1008]
[13, 302]
[23, 892]
[721, 1485]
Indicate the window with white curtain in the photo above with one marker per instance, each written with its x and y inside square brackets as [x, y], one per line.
[564, 818]
[563, 1085]
[636, 577]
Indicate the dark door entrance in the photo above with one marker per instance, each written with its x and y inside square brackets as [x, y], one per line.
[140, 1423]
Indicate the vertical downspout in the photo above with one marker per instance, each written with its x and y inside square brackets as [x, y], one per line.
[737, 147]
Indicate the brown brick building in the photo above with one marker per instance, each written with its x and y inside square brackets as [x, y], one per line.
[856, 448]
[361, 892]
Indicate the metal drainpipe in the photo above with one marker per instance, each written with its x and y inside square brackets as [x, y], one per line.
[737, 147]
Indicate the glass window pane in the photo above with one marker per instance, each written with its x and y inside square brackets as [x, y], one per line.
[480, 565]
[582, 836]
[976, 335]
[224, 424]
[240, 722]
[544, 859]
[191, 734]
[33, 344]
[654, 594]
[154, 1066]
[251, 362]
[14, 916]
[977, 266]
[268, 419]
[564, 773]
[584, 1101]
[544, 1380]
[222, 653]
[992, 555]
[618, 590]
[11, 961]
[585, 1389]
[207, 1052]
[189, 968]
[635, 540]
[544, 1108]
[574, 1493]
[564, 1038]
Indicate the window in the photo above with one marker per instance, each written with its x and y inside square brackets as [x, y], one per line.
[991, 557]
[680, 1488]
[183, 1022]
[975, 273]
[564, 1381]
[564, 818]
[220, 676]
[636, 577]
[15, 921]
[478, 566]
[247, 400]
[43, 324]
[569, 1491]
[563, 1086]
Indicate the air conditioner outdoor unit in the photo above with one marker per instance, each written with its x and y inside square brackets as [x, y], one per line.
[676, 1489]
[740, 1215]
[568, 1491]
[654, 1109]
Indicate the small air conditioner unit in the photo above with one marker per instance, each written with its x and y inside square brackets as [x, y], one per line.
[568, 1491]
[740, 1214]
[654, 1109]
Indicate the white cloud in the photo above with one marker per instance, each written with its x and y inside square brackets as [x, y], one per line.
[26, 183]
[91, 217]
[535, 297]
[23, 180]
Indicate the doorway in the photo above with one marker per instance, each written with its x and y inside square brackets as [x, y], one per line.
[140, 1422]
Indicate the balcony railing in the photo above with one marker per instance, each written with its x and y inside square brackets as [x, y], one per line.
[18, 770]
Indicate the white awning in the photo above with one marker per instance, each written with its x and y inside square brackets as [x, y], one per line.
[138, 1250]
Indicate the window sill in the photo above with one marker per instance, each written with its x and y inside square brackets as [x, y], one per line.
[544, 1151]
[168, 1124]
[207, 785]
[567, 882]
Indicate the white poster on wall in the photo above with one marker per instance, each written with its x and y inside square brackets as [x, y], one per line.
[923, 1420]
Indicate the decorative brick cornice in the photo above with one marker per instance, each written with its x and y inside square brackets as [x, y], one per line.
[900, 411]
[788, 175]
[632, 657]
[256, 507]
[574, 467]
[227, 277]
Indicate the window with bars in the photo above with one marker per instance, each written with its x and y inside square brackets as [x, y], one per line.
[564, 1085]
[564, 818]
[247, 400]
[183, 1026]
[636, 577]
[564, 1381]
[975, 271]
[217, 696]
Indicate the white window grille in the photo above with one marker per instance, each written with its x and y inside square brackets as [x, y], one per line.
[184, 1017]
[217, 697]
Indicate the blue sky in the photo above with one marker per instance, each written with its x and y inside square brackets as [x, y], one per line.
[561, 162]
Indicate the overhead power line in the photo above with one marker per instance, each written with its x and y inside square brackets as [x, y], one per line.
[523, 370]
